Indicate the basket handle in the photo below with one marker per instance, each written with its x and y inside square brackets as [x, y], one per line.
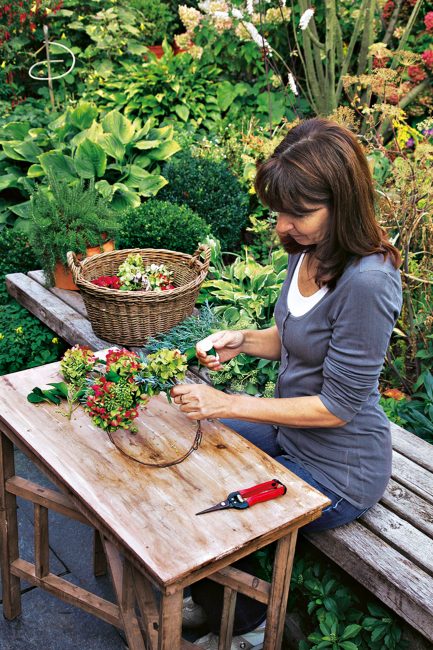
[74, 264]
[203, 248]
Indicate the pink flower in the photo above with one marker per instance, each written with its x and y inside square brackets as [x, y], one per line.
[427, 57]
[416, 73]
[428, 21]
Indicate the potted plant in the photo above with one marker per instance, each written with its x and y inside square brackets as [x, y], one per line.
[69, 217]
[160, 24]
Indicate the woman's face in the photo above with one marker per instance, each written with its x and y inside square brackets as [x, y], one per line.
[306, 230]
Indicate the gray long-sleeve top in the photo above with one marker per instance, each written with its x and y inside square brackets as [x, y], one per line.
[336, 351]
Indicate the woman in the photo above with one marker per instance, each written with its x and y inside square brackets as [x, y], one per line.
[334, 319]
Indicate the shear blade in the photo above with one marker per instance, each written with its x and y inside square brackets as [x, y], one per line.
[219, 506]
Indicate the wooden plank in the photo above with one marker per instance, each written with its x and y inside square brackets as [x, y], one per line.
[43, 496]
[159, 502]
[280, 586]
[69, 593]
[99, 559]
[403, 536]
[409, 506]
[42, 550]
[9, 551]
[412, 446]
[244, 583]
[381, 569]
[170, 621]
[123, 586]
[62, 319]
[412, 476]
[71, 298]
[227, 619]
[149, 611]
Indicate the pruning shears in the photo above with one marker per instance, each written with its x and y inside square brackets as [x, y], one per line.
[245, 498]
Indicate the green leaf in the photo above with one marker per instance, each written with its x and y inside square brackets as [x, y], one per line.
[105, 189]
[124, 197]
[7, 180]
[165, 150]
[147, 144]
[83, 116]
[136, 176]
[151, 184]
[9, 149]
[226, 93]
[51, 396]
[112, 146]
[348, 645]
[119, 126]
[35, 171]
[29, 150]
[17, 130]
[59, 165]
[350, 631]
[90, 160]
[23, 210]
[182, 111]
[61, 388]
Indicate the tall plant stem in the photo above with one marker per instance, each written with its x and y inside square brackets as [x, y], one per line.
[351, 47]
[367, 38]
[392, 22]
[406, 33]
[330, 31]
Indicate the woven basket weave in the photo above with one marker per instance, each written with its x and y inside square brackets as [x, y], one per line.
[130, 317]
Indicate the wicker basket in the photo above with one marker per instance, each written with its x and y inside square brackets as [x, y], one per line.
[130, 317]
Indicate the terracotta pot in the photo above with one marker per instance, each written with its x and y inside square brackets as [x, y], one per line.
[157, 50]
[63, 276]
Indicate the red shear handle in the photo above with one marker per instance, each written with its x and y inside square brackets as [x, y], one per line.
[263, 492]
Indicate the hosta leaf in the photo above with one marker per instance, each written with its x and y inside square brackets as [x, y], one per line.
[136, 176]
[83, 116]
[147, 144]
[182, 111]
[90, 160]
[105, 189]
[151, 185]
[7, 180]
[119, 126]
[112, 146]
[59, 165]
[165, 150]
[23, 210]
[17, 130]
[34, 171]
[124, 197]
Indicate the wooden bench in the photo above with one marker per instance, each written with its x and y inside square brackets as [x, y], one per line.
[389, 551]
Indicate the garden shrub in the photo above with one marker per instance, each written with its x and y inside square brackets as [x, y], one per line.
[15, 256]
[211, 190]
[161, 224]
[25, 342]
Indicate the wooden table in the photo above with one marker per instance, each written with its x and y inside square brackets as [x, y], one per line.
[144, 518]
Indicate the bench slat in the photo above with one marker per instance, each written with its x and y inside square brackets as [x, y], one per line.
[402, 535]
[71, 298]
[409, 506]
[395, 580]
[52, 311]
[412, 476]
[411, 446]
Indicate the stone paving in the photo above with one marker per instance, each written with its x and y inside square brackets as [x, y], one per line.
[47, 623]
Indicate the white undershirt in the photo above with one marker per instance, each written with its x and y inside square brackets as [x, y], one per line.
[297, 303]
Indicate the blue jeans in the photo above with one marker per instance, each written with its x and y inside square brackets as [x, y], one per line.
[250, 613]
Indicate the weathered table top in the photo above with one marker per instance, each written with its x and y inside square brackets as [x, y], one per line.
[151, 511]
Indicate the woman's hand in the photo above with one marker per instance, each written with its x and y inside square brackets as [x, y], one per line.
[199, 401]
[227, 343]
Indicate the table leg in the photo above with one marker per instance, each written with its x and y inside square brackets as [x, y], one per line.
[121, 574]
[99, 559]
[279, 591]
[227, 619]
[8, 532]
[170, 621]
[147, 604]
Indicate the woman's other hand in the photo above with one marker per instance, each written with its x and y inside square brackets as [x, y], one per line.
[199, 401]
[227, 344]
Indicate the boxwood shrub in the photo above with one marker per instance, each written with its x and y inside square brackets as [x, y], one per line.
[211, 190]
[162, 224]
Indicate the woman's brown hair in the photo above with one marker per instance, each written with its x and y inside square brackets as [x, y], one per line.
[320, 163]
